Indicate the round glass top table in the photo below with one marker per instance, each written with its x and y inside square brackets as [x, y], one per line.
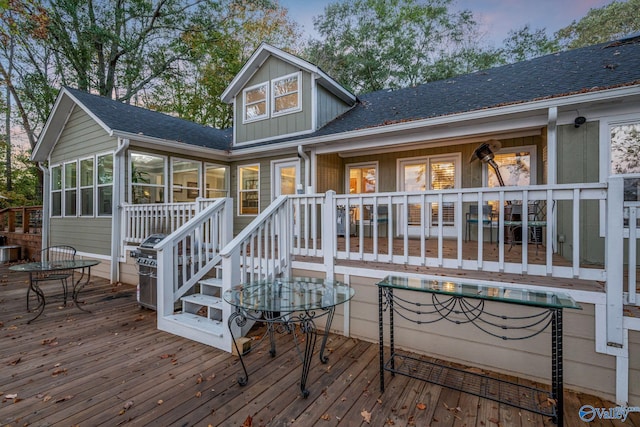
[52, 270]
[282, 304]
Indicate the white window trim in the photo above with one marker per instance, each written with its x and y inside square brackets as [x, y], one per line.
[97, 185]
[266, 101]
[184, 187]
[239, 189]
[274, 113]
[92, 186]
[350, 166]
[165, 178]
[293, 162]
[65, 189]
[605, 157]
[532, 149]
[61, 190]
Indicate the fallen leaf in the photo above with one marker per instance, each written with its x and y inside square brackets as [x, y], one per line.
[15, 362]
[421, 406]
[160, 402]
[166, 356]
[199, 379]
[199, 394]
[58, 371]
[63, 399]
[46, 398]
[325, 417]
[127, 405]
[494, 420]
[11, 396]
[248, 422]
[366, 416]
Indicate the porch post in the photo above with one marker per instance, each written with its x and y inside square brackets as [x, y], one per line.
[614, 261]
[329, 233]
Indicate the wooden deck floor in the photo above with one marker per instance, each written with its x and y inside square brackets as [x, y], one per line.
[112, 367]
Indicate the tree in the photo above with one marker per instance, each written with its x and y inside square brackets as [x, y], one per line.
[370, 45]
[601, 25]
[523, 44]
[192, 88]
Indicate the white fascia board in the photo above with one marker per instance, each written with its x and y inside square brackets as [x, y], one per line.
[158, 143]
[261, 55]
[454, 120]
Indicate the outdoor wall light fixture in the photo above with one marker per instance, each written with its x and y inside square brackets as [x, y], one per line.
[485, 153]
[579, 121]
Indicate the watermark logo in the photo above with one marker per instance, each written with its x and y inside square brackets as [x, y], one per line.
[588, 413]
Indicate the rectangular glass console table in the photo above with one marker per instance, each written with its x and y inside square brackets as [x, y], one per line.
[425, 301]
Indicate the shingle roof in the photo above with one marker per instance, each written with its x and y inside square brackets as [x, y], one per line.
[135, 120]
[592, 68]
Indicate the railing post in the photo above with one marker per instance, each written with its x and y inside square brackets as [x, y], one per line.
[614, 261]
[329, 233]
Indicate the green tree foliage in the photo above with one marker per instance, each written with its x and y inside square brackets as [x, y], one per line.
[370, 45]
[524, 44]
[607, 23]
[191, 89]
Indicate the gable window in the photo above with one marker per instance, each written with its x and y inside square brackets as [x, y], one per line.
[147, 174]
[285, 93]
[70, 188]
[104, 184]
[249, 190]
[255, 102]
[56, 191]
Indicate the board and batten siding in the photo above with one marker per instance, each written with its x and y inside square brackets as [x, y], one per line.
[579, 162]
[328, 106]
[82, 137]
[584, 369]
[277, 126]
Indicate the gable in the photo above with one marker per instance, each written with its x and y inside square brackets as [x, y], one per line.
[273, 123]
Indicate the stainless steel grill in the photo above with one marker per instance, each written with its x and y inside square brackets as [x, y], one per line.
[147, 261]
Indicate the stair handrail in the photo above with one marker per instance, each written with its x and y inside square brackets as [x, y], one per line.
[274, 223]
[204, 236]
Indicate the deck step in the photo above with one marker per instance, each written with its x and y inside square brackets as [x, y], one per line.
[204, 324]
[203, 300]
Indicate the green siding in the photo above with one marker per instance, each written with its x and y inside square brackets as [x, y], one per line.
[579, 162]
[81, 137]
[328, 106]
[281, 125]
[90, 235]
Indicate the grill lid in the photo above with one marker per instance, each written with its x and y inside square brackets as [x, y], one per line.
[152, 240]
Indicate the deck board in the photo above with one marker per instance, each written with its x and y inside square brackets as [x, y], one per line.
[113, 367]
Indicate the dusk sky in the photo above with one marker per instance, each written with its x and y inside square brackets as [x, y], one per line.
[496, 17]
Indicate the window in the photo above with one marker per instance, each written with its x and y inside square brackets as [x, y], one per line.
[249, 190]
[516, 166]
[70, 188]
[285, 94]
[147, 174]
[86, 187]
[625, 157]
[443, 177]
[56, 191]
[186, 180]
[104, 184]
[215, 178]
[255, 102]
[362, 178]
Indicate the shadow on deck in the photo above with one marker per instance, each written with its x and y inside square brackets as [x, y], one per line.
[113, 367]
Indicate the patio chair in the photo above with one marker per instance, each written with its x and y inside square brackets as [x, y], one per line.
[473, 218]
[54, 254]
[381, 218]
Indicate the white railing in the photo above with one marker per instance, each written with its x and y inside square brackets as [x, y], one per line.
[140, 221]
[422, 228]
[188, 254]
[262, 250]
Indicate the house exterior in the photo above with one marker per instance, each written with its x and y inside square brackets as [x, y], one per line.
[358, 187]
